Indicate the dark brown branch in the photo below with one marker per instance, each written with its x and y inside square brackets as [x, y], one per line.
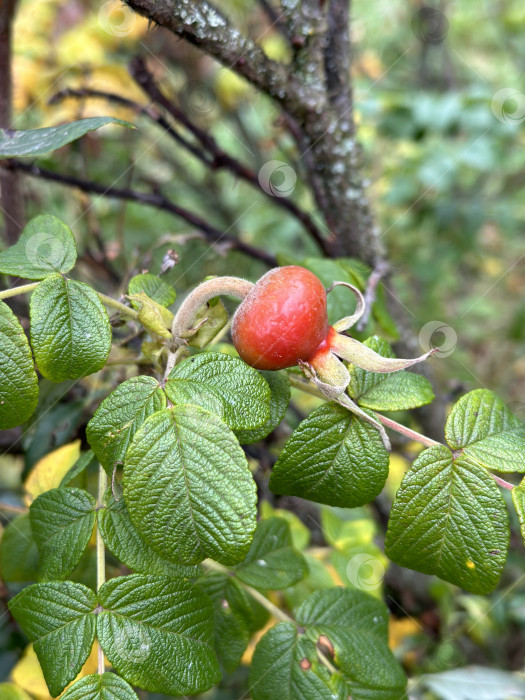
[149, 112]
[10, 185]
[337, 54]
[219, 157]
[152, 199]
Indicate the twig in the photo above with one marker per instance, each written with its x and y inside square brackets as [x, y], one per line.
[370, 292]
[219, 159]
[152, 199]
[101, 552]
[15, 291]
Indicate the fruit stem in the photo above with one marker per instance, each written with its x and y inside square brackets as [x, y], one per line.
[15, 291]
[114, 304]
[233, 286]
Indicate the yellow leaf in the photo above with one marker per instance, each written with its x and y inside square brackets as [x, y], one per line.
[399, 630]
[10, 691]
[398, 467]
[49, 471]
[28, 675]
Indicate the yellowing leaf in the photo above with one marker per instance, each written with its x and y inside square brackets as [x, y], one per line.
[396, 472]
[49, 471]
[399, 630]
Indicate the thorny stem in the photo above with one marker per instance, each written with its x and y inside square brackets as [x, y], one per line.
[101, 552]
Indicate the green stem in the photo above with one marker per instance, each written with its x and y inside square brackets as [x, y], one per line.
[15, 291]
[101, 552]
[121, 308]
[407, 432]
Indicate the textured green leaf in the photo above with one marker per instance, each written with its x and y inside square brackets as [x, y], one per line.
[62, 522]
[285, 666]
[224, 385]
[235, 617]
[82, 463]
[332, 457]
[19, 558]
[36, 142]
[120, 415]
[279, 399]
[124, 541]
[157, 633]
[46, 246]
[357, 626]
[70, 331]
[487, 432]
[156, 288]
[58, 618]
[272, 563]
[18, 380]
[107, 686]
[188, 487]
[449, 519]
[396, 391]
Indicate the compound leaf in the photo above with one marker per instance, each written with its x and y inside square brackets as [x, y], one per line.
[62, 522]
[449, 519]
[157, 633]
[487, 432]
[70, 331]
[397, 391]
[120, 415]
[58, 618]
[224, 385]
[18, 380]
[272, 563]
[332, 457]
[188, 487]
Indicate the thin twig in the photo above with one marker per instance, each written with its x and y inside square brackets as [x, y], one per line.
[153, 199]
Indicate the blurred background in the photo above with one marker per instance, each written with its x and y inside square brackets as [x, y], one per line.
[440, 107]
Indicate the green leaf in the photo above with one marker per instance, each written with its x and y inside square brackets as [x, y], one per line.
[233, 616]
[449, 519]
[279, 399]
[285, 666]
[188, 487]
[120, 415]
[397, 391]
[62, 521]
[155, 318]
[36, 142]
[154, 287]
[18, 380]
[272, 563]
[82, 463]
[487, 432]
[107, 686]
[157, 633]
[216, 319]
[58, 618]
[332, 457]
[70, 331]
[19, 558]
[223, 385]
[356, 624]
[124, 541]
[46, 246]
